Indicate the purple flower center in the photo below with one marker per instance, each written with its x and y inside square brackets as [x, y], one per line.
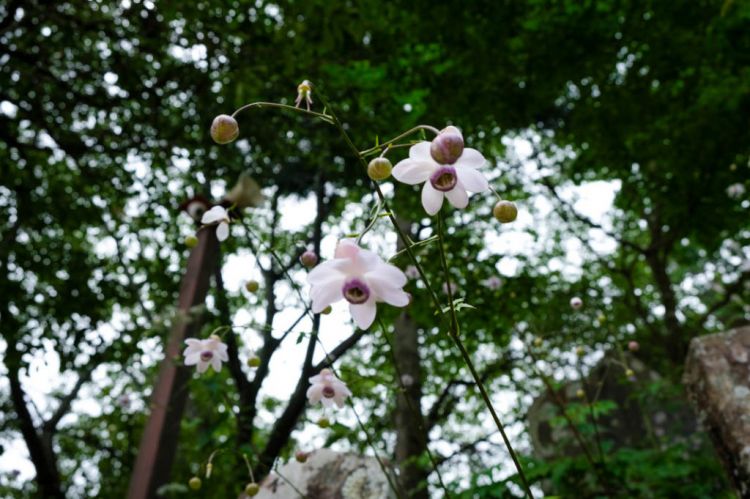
[444, 178]
[329, 392]
[207, 355]
[355, 291]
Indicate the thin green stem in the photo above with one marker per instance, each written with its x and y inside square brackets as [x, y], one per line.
[416, 415]
[454, 334]
[259, 105]
[395, 139]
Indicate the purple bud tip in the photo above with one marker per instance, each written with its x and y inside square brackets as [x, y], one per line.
[447, 147]
[633, 346]
[207, 355]
[355, 291]
[444, 179]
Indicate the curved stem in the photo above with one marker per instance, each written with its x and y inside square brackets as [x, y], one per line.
[454, 334]
[395, 139]
[322, 116]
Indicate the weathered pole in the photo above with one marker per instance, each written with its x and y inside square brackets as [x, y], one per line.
[159, 440]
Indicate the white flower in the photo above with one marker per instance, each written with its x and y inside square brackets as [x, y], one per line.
[304, 93]
[360, 277]
[327, 388]
[219, 215]
[411, 272]
[576, 303]
[450, 181]
[736, 191]
[204, 352]
[453, 289]
[493, 282]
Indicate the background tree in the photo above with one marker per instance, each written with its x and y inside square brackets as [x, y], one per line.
[104, 112]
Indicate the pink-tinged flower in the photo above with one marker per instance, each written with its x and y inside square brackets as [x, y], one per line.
[453, 288]
[576, 303]
[218, 215]
[451, 180]
[327, 388]
[360, 277]
[204, 352]
[633, 346]
[411, 272]
[492, 283]
[736, 191]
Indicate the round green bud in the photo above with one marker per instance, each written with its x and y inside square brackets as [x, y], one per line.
[379, 169]
[195, 483]
[224, 129]
[505, 211]
[252, 489]
[327, 310]
[580, 393]
[252, 286]
[324, 422]
[301, 456]
[537, 342]
[191, 241]
[580, 351]
[629, 373]
[253, 361]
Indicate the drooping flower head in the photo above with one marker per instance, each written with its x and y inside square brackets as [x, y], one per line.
[218, 215]
[211, 351]
[360, 277]
[327, 388]
[576, 303]
[447, 168]
[304, 93]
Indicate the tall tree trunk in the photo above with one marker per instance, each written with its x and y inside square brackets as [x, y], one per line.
[411, 437]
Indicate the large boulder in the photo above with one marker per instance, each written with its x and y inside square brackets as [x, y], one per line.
[717, 377]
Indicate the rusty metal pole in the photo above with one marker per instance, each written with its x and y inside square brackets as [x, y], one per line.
[159, 440]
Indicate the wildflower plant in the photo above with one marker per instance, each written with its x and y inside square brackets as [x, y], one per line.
[445, 168]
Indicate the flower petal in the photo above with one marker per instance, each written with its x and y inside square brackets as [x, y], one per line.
[364, 313]
[202, 366]
[222, 231]
[214, 215]
[326, 271]
[471, 158]
[432, 199]
[458, 196]
[326, 293]
[216, 363]
[315, 393]
[471, 179]
[413, 172]
[420, 151]
[192, 359]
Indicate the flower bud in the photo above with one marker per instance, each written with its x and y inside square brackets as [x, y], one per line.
[629, 373]
[209, 469]
[505, 211]
[195, 483]
[327, 310]
[633, 346]
[448, 146]
[379, 169]
[252, 489]
[576, 303]
[309, 259]
[252, 286]
[580, 393]
[537, 342]
[253, 361]
[580, 351]
[301, 456]
[191, 241]
[224, 129]
[324, 422]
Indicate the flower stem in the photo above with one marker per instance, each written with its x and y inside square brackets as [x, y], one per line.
[322, 116]
[454, 334]
[395, 139]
